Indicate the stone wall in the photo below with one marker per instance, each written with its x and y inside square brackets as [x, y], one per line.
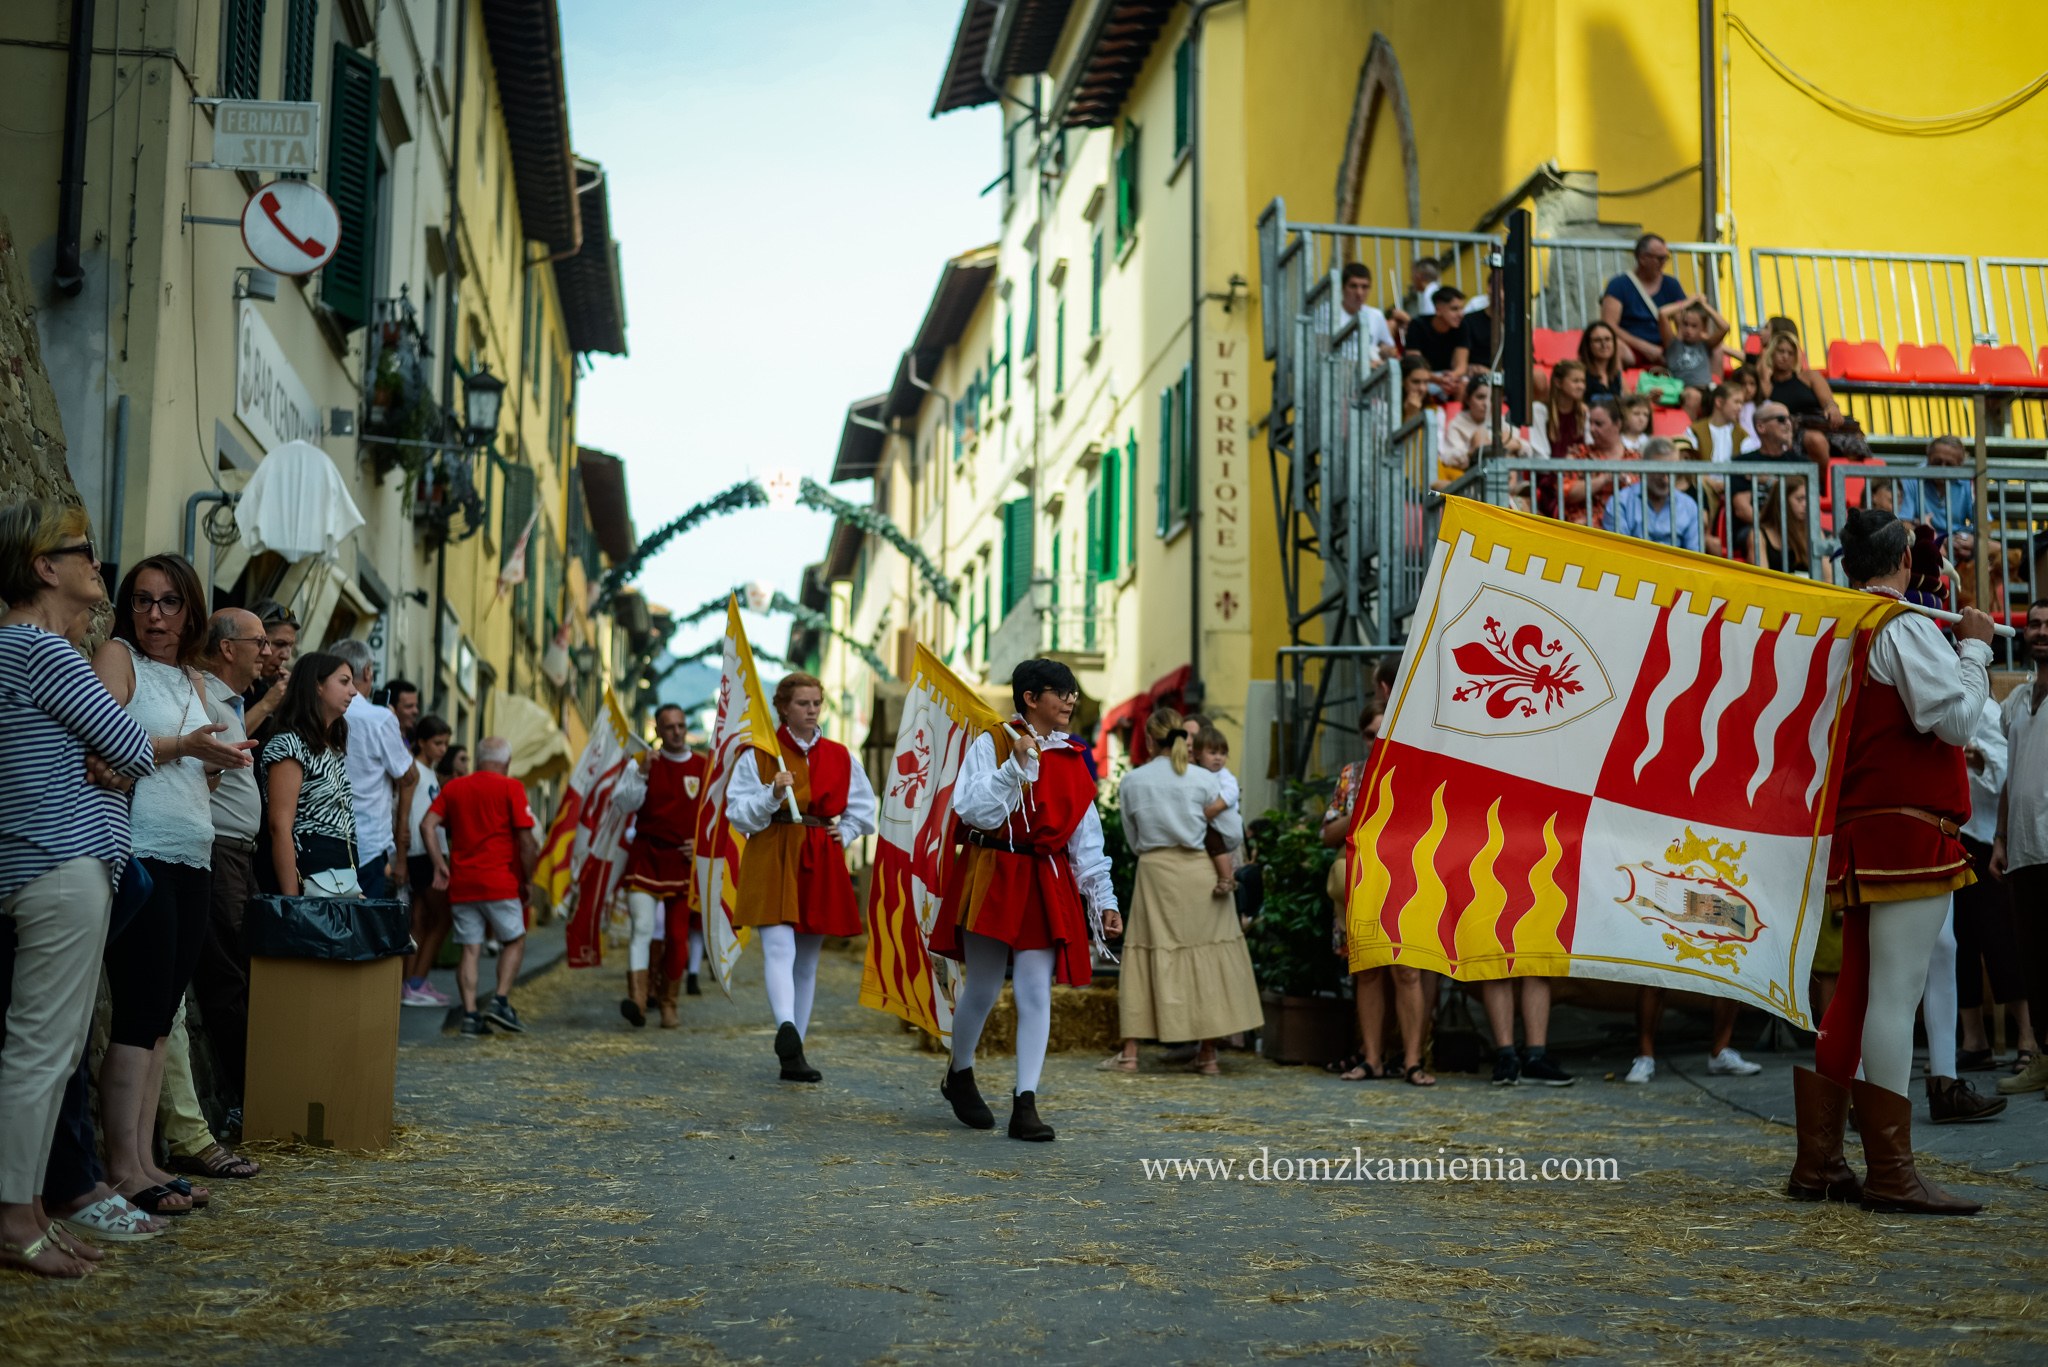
[31, 432]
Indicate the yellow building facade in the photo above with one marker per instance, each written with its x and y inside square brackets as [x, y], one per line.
[471, 238]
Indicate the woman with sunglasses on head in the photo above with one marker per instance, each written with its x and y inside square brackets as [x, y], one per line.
[149, 667]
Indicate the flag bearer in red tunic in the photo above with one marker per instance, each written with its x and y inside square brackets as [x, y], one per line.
[1895, 862]
[1024, 888]
[664, 792]
[794, 888]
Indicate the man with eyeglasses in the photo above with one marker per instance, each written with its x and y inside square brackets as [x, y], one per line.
[1776, 441]
[1634, 299]
[282, 630]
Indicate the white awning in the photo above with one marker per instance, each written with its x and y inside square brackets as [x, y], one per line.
[539, 749]
[297, 505]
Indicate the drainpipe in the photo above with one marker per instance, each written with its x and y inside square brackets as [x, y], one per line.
[192, 519]
[71, 179]
[1709, 166]
[117, 484]
[1195, 300]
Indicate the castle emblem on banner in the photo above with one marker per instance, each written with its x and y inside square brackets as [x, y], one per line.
[1516, 668]
[1698, 899]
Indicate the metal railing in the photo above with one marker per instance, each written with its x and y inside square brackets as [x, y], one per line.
[2015, 294]
[1572, 274]
[1883, 297]
[2012, 527]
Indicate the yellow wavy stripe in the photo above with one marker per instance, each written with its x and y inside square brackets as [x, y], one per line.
[1588, 556]
[1420, 918]
[1538, 950]
[1369, 883]
[1477, 937]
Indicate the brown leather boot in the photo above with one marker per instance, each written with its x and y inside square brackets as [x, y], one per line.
[1892, 1183]
[1820, 1173]
[633, 1006]
[669, 1018]
[1952, 1101]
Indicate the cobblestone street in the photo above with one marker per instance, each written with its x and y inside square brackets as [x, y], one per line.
[586, 1193]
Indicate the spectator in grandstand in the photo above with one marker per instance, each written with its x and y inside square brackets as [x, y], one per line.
[1774, 443]
[1376, 340]
[1634, 300]
[1787, 548]
[1651, 509]
[1603, 442]
[1468, 435]
[1420, 299]
[1637, 415]
[1751, 383]
[1824, 431]
[1719, 435]
[1601, 353]
[1443, 340]
[1947, 505]
[1421, 395]
[1692, 333]
[1557, 426]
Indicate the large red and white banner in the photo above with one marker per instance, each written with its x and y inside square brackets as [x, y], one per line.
[1609, 759]
[584, 855]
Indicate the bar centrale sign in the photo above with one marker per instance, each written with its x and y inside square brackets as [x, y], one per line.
[266, 135]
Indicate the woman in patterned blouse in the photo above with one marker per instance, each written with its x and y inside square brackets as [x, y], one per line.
[312, 823]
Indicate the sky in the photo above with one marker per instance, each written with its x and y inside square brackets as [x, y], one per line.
[783, 204]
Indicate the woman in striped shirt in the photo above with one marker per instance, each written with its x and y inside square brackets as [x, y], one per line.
[312, 818]
[62, 845]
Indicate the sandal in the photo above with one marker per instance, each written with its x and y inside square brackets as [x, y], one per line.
[72, 1244]
[156, 1200]
[24, 1257]
[201, 1197]
[1976, 1060]
[215, 1160]
[1207, 1067]
[1346, 1065]
[1362, 1072]
[1117, 1063]
[1418, 1076]
[114, 1220]
[2022, 1061]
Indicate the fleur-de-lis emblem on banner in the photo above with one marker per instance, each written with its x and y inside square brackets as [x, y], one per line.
[1513, 673]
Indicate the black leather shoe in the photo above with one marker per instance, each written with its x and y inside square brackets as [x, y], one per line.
[1024, 1121]
[690, 988]
[968, 1107]
[789, 1047]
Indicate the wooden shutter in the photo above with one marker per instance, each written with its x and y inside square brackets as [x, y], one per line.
[1112, 486]
[241, 49]
[346, 284]
[301, 43]
[1131, 498]
[1094, 537]
[1167, 409]
[1127, 186]
[1184, 434]
[1095, 285]
[1059, 347]
[1016, 552]
[1031, 317]
[1183, 95]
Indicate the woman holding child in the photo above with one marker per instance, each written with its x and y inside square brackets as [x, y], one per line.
[1186, 972]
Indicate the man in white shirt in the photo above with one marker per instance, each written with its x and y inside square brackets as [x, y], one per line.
[1376, 339]
[377, 758]
[2020, 853]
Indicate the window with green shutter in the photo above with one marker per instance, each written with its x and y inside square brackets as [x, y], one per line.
[1055, 590]
[1059, 346]
[1031, 316]
[241, 49]
[1127, 186]
[1008, 319]
[1131, 496]
[1183, 95]
[1168, 410]
[1112, 503]
[1016, 552]
[347, 284]
[1095, 265]
[301, 46]
[1184, 461]
[1094, 568]
[1176, 474]
[988, 588]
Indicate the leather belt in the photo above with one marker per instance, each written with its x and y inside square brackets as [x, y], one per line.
[785, 819]
[1942, 823]
[235, 842]
[989, 840]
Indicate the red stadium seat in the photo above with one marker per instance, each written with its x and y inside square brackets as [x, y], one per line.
[1753, 345]
[2005, 365]
[1929, 365]
[1548, 348]
[1669, 422]
[1858, 361]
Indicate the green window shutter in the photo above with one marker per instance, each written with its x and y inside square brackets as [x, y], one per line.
[1095, 285]
[1059, 347]
[241, 49]
[1008, 319]
[519, 494]
[1094, 537]
[1183, 433]
[1031, 317]
[1167, 408]
[1112, 485]
[1130, 510]
[1055, 590]
[1016, 552]
[346, 287]
[301, 44]
[988, 611]
[1127, 186]
[1183, 95]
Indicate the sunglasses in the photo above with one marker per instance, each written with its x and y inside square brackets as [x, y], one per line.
[84, 548]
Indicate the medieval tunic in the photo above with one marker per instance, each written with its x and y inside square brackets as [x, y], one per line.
[1905, 786]
[1032, 864]
[1186, 972]
[795, 872]
[663, 825]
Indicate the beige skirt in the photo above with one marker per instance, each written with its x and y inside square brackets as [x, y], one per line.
[1186, 973]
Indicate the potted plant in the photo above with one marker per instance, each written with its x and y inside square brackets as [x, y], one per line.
[1300, 976]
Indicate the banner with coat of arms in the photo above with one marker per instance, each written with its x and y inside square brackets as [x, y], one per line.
[584, 854]
[914, 848]
[743, 723]
[1605, 758]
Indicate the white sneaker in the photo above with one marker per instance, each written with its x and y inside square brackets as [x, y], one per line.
[1642, 1070]
[1731, 1063]
[419, 996]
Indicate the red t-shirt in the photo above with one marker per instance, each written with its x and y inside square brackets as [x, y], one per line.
[483, 814]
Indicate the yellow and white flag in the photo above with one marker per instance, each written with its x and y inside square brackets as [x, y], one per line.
[743, 723]
[942, 716]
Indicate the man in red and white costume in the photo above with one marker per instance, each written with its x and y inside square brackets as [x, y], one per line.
[663, 790]
[793, 887]
[1894, 865]
[1025, 887]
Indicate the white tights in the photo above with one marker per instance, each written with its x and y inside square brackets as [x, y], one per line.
[1938, 1005]
[1902, 941]
[696, 952]
[1030, 985]
[790, 963]
[645, 911]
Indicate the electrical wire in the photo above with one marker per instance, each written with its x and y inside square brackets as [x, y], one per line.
[1938, 126]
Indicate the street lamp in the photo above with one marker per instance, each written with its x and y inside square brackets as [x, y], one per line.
[482, 395]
